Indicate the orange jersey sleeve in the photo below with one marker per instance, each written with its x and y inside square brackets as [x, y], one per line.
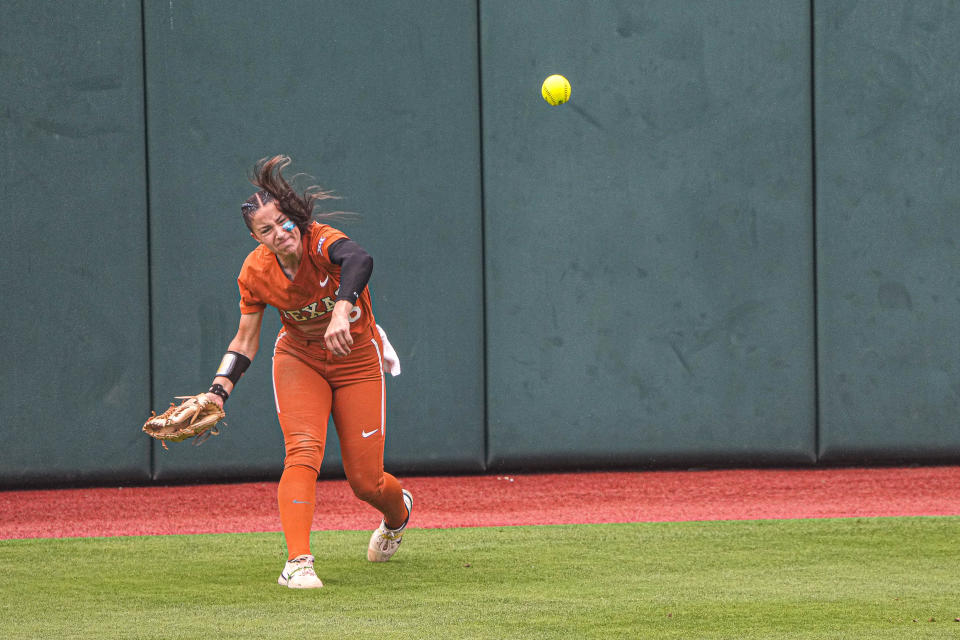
[306, 301]
[321, 237]
[249, 302]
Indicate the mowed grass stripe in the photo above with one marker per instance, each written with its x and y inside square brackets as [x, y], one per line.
[840, 578]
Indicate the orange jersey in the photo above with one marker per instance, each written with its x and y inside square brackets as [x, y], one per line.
[306, 301]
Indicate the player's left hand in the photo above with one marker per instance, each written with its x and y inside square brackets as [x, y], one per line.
[195, 417]
[337, 337]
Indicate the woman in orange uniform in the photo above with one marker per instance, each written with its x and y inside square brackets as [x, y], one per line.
[328, 360]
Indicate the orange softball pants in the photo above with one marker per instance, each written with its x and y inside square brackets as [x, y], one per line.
[311, 384]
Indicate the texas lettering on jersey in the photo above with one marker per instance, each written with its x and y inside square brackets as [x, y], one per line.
[316, 310]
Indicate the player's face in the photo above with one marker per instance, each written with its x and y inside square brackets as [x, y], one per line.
[274, 230]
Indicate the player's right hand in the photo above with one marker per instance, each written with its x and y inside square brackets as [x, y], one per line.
[337, 336]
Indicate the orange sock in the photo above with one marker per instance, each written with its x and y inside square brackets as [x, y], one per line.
[296, 495]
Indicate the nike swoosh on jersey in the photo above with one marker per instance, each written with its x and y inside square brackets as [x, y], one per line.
[324, 282]
[367, 434]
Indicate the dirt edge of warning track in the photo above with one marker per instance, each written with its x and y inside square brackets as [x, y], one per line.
[491, 500]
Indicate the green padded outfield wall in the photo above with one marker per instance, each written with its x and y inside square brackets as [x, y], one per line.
[888, 229]
[648, 245]
[649, 252]
[74, 378]
[379, 101]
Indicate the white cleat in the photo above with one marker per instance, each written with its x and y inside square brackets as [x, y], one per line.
[384, 542]
[298, 574]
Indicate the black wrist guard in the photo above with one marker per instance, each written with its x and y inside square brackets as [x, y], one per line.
[233, 365]
[219, 390]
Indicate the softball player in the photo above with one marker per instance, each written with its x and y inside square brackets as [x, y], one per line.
[328, 360]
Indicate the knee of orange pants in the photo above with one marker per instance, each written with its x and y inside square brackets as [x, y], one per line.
[367, 488]
[304, 450]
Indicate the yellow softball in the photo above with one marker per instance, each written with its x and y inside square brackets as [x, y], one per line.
[555, 90]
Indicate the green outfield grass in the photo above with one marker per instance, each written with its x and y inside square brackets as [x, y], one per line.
[856, 578]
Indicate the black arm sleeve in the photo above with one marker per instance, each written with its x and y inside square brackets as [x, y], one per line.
[356, 265]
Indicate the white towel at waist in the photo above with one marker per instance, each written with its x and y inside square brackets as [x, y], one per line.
[391, 361]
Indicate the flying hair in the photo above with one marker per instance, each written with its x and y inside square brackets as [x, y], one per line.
[267, 176]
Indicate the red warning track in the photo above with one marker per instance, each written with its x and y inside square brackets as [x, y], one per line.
[467, 501]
